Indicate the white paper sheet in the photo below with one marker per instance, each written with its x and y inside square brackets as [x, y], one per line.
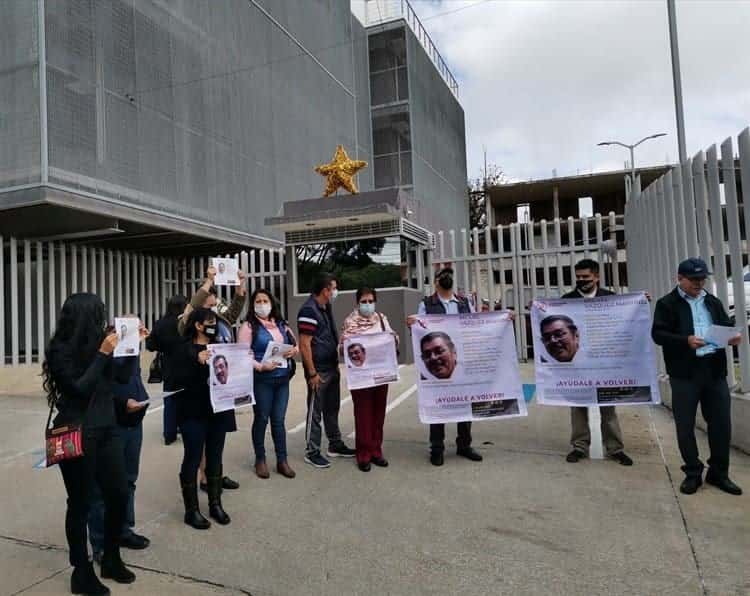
[719, 336]
[129, 338]
[275, 353]
[226, 272]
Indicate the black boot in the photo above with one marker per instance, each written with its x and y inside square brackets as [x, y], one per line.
[114, 568]
[84, 581]
[193, 515]
[215, 510]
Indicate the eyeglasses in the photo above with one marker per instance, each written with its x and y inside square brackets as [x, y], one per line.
[558, 334]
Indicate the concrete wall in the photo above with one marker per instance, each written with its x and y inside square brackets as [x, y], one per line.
[438, 144]
[394, 303]
[211, 110]
[740, 417]
[20, 140]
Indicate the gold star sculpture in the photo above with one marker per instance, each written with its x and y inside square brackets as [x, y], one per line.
[340, 172]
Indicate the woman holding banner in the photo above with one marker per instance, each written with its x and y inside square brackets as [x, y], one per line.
[199, 425]
[271, 382]
[369, 403]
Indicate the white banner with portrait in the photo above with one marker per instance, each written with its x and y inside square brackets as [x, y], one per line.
[128, 337]
[227, 271]
[467, 368]
[370, 360]
[594, 352]
[230, 376]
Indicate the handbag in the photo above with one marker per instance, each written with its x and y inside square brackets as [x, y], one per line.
[155, 374]
[291, 362]
[62, 442]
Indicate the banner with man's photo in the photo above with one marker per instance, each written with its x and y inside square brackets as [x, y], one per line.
[230, 376]
[467, 367]
[370, 360]
[594, 352]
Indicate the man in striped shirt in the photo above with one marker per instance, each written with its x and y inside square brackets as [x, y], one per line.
[318, 346]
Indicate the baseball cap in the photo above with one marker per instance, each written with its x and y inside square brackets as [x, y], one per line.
[693, 267]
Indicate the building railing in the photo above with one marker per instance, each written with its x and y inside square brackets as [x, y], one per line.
[384, 11]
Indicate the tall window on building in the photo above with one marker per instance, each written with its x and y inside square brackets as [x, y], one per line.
[391, 139]
[389, 82]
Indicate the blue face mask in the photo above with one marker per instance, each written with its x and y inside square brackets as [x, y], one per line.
[367, 309]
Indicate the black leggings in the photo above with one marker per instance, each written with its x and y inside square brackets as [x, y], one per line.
[195, 435]
[103, 463]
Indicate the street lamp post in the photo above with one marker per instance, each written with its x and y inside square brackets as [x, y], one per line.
[631, 148]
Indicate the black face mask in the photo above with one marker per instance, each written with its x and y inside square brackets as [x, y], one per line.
[446, 282]
[209, 330]
[585, 285]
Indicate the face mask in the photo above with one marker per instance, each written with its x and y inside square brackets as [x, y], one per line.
[215, 309]
[263, 310]
[446, 282]
[209, 330]
[585, 285]
[367, 310]
[334, 294]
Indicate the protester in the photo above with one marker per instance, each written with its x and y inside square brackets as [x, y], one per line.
[271, 381]
[442, 302]
[165, 339]
[200, 426]
[206, 297]
[129, 412]
[369, 403]
[697, 374]
[78, 379]
[587, 286]
[320, 358]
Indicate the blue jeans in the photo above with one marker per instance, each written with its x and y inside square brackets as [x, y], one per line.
[170, 417]
[132, 439]
[271, 400]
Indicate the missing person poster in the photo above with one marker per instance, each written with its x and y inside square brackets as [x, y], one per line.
[230, 376]
[594, 352]
[370, 360]
[226, 272]
[128, 337]
[275, 353]
[467, 367]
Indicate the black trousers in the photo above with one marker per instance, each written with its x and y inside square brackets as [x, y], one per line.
[437, 436]
[197, 434]
[103, 463]
[713, 396]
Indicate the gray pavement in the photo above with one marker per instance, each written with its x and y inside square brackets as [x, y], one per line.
[522, 522]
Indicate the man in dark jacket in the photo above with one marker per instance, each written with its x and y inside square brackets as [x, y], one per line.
[697, 374]
[165, 338]
[445, 302]
[587, 286]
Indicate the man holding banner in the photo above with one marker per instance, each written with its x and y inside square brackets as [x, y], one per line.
[445, 302]
[587, 286]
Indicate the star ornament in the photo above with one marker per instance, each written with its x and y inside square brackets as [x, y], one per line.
[340, 172]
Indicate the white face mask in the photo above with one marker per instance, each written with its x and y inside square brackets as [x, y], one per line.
[334, 294]
[367, 310]
[263, 310]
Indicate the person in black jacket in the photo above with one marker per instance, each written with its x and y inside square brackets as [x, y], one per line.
[78, 378]
[199, 425]
[697, 374]
[165, 339]
[587, 286]
[130, 408]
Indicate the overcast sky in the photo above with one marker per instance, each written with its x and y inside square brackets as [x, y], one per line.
[542, 82]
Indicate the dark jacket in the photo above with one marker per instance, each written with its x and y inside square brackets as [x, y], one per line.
[87, 392]
[434, 306]
[599, 292]
[673, 323]
[317, 321]
[166, 339]
[194, 401]
[132, 389]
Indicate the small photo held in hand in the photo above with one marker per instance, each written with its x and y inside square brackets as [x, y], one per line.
[226, 272]
[128, 337]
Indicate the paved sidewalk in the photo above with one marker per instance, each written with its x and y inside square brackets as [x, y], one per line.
[523, 522]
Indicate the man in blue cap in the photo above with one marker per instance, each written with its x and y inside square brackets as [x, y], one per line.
[697, 373]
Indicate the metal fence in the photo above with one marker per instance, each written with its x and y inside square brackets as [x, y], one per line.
[519, 262]
[37, 276]
[696, 209]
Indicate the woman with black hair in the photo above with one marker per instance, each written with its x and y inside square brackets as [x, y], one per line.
[79, 378]
[199, 425]
[271, 381]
